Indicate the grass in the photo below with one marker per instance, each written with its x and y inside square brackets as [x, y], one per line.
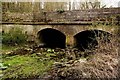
[8, 48]
[25, 66]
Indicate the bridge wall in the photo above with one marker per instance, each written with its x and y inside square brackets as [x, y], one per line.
[105, 14]
[68, 30]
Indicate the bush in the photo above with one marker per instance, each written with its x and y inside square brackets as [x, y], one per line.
[60, 11]
[15, 36]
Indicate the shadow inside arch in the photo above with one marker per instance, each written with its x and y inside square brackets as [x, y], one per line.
[88, 39]
[51, 38]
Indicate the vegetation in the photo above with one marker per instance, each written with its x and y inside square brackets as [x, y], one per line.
[25, 66]
[53, 6]
[14, 37]
[99, 63]
[69, 63]
[62, 63]
[17, 7]
[49, 6]
[60, 11]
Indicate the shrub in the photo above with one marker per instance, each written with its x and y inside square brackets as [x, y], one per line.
[15, 36]
[60, 11]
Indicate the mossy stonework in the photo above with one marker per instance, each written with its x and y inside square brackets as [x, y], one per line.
[69, 31]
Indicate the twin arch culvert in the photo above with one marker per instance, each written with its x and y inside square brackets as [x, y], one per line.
[88, 39]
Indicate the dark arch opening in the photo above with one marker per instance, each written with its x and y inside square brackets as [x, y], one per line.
[52, 38]
[89, 39]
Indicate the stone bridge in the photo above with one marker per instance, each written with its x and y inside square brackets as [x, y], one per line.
[69, 28]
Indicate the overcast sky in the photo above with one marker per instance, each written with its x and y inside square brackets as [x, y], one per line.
[109, 3]
[113, 3]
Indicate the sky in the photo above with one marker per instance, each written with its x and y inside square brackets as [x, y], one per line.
[108, 3]
[113, 3]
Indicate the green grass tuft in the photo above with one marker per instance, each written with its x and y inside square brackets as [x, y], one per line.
[25, 66]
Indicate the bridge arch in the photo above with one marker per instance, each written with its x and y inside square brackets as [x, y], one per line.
[88, 39]
[51, 38]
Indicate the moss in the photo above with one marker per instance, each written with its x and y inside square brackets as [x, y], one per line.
[25, 66]
[8, 48]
